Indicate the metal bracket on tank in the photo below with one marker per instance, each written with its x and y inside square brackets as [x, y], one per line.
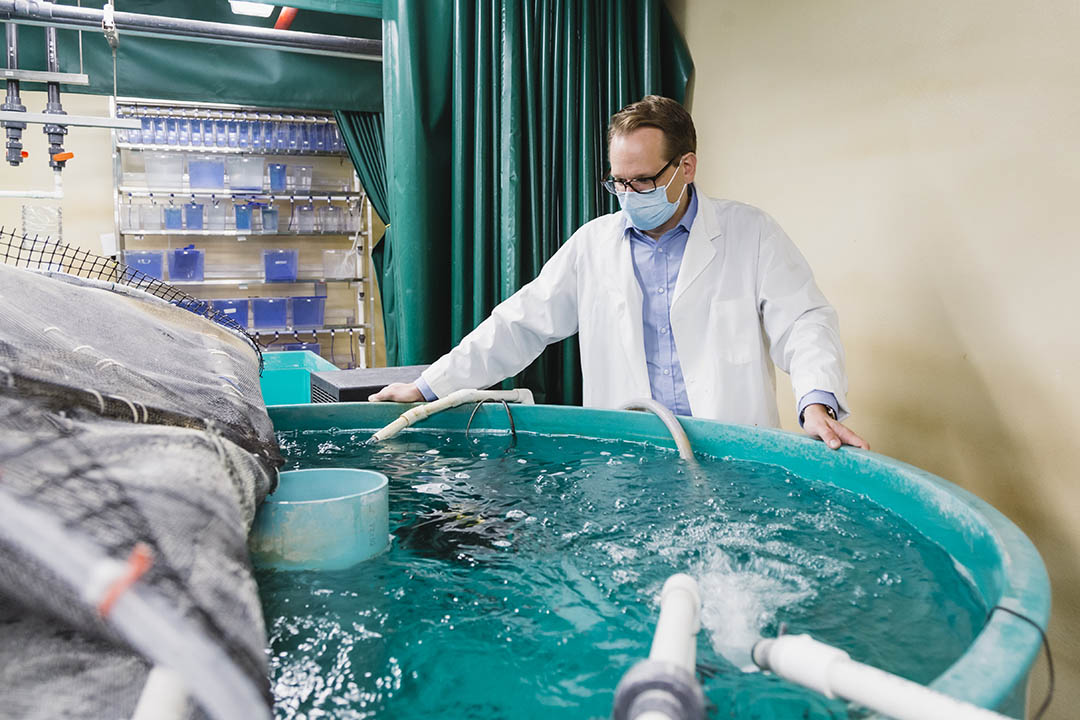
[509, 417]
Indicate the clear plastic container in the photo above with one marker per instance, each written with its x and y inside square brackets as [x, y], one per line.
[243, 216]
[195, 132]
[303, 219]
[206, 172]
[148, 262]
[171, 131]
[146, 134]
[208, 133]
[308, 312]
[186, 265]
[269, 313]
[269, 220]
[246, 173]
[164, 170]
[278, 177]
[339, 264]
[183, 132]
[215, 216]
[193, 216]
[174, 218]
[281, 265]
[233, 309]
[221, 133]
[331, 219]
[159, 131]
[150, 217]
[301, 175]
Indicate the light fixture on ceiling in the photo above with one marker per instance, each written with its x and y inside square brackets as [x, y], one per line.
[255, 9]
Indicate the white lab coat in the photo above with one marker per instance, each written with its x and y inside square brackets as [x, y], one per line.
[744, 294]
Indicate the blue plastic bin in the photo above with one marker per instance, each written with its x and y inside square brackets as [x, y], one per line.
[193, 216]
[243, 216]
[269, 220]
[206, 173]
[308, 312]
[148, 262]
[281, 265]
[269, 313]
[174, 218]
[186, 264]
[278, 181]
[233, 309]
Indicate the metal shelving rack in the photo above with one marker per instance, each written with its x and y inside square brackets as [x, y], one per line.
[356, 323]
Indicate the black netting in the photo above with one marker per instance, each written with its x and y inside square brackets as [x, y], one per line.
[20, 250]
[129, 421]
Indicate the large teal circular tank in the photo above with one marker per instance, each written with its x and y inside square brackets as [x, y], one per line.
[1000, 561]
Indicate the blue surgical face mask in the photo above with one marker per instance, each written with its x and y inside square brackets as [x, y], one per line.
[650, 210]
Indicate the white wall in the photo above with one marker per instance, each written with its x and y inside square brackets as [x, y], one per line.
[926, 159]
[88, 200]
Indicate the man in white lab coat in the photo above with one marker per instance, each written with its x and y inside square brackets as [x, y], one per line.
[678, 297]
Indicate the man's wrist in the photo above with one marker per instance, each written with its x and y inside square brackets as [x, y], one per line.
[819, 397]
[425, 389]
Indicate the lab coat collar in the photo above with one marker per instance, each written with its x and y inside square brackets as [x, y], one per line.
[700, 249]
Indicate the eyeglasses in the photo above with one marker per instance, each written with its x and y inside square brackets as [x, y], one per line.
[638, 185]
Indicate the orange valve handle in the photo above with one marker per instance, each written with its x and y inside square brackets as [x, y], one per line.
[63, 157]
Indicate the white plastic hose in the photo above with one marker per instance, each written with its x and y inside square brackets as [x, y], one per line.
[163, 697]
[832, 672]
[670, 421]
[460, 397]
[675, 640]
[142, 616]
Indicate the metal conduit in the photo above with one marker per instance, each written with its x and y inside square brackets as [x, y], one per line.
[34, 12]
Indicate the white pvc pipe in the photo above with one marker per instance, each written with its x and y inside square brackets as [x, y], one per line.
[57, 193]
[460, 397]
[832, 672]
[670, 421]
[675, 639]
[163, 697]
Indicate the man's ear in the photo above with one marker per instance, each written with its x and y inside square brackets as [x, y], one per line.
[689, 167]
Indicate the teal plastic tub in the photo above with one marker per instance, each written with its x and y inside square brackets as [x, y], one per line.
[322, 519]
[286, 376]
[1000, 561]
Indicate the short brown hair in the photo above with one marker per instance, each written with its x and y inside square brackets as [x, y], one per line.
[662, 113]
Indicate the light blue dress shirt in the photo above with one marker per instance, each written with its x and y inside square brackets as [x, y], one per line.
[656, 267]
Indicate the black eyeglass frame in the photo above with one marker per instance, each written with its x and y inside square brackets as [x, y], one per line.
[611, 184]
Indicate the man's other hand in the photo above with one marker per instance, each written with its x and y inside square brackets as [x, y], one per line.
[818, 424]
[398, 392]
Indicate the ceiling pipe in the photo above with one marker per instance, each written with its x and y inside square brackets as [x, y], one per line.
[36, 12]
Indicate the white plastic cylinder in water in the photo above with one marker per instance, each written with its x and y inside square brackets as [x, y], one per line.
[322, 519]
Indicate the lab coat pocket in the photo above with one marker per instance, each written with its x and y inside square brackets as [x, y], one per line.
[736, 329]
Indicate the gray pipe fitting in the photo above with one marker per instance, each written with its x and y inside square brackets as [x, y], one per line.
[652, 686]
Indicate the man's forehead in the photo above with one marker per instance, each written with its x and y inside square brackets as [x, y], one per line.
[638, 153]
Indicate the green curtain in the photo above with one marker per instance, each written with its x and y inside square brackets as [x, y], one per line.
[175, 70]
[363, 136]
[496, 122]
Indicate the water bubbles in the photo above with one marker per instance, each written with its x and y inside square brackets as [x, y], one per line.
[516, 514]
[328, 447]
[436, 488]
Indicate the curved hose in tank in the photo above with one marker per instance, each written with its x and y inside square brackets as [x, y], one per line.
[682, 442]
